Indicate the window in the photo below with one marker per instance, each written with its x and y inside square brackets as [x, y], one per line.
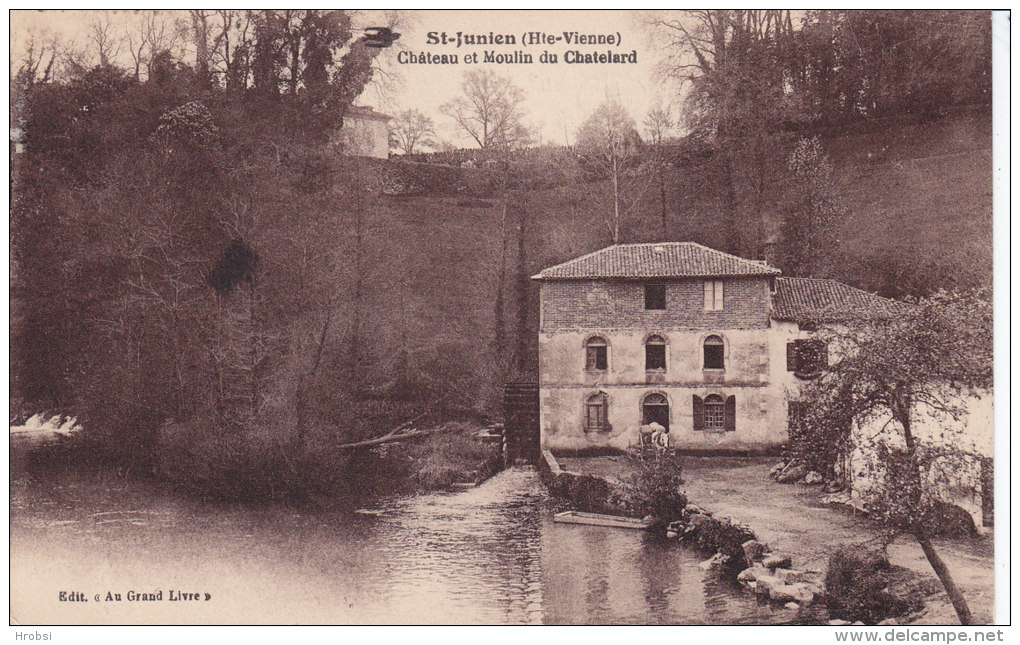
[595, 355]
[714, 353]
[655, 353]
[715, 414]
[655, 409]
[713, 295]
[655, 295]
[596, 413]
[807, 357]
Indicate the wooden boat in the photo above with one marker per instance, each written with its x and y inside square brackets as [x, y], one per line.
[597, 519]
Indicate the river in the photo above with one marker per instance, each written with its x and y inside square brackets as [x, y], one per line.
[490, 554]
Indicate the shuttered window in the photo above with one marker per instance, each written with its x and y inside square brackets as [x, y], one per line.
[597, 413]
[715, 414]
[807, 357]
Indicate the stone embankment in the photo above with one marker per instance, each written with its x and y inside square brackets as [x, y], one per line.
[738, 551]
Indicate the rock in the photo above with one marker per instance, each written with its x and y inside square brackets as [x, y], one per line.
[792, 605]
[832, 487]
[671, 534]
[751, 574]
[766, 584]
[694, 509]
[812, 477]
[775, 561]
[797, 592]
[774, 473]
[754, 551]
[857, 623]
[792, 575]
[889, 621]
[842, 499]
[793, 474]
[838, 622]
[697, 519]
[717, 560]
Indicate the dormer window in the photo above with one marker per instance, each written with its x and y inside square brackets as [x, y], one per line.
[713, 295]
[655, 295]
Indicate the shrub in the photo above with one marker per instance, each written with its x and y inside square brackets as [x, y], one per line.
[856, 586]
[721, 536]
[656, 489]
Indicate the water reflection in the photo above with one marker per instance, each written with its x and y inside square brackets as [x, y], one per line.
[491, 554]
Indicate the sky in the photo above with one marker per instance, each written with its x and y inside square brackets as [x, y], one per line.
[558, 96]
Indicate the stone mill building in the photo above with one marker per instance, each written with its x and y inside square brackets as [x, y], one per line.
[707, 344]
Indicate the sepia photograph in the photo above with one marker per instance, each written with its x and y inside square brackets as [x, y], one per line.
[515, 317]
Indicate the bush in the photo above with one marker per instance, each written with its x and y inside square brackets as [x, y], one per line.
[226, 464]
[856, 586]
[656, 489]
[447, 458]
[720, 536]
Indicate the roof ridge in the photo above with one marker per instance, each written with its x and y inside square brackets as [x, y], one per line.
[730, 255]
[671, 259]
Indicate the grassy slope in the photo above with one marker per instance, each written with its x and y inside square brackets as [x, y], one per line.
[919, 192]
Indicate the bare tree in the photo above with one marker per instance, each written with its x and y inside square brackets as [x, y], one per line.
[411, 128]
[151, 33]
[658, 123]
[102, 36]
[608, 145]
[491, 110]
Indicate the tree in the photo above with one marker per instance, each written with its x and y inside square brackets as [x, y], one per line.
[731, 67]
[895, 366]
[150, 33]
[491, 110]
[658, 123]
[410, 129]
[609, 146]
[101, 35]
[179, 261]
[812, 211]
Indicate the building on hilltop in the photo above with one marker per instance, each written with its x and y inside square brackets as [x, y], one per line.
[365, 133]
[711, 346]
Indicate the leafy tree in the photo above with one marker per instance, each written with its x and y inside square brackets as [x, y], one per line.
[896, 365]
[491, 110]
[813, 210]
[410, 129]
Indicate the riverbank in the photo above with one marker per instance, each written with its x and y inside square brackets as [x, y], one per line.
[452, 455]
[793, 520]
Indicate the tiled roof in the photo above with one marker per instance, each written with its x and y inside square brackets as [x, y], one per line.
[655, 260]
[819, 300]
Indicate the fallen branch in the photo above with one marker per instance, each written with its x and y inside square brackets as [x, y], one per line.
[388, 438]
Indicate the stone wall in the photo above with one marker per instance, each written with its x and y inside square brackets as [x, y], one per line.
[750, 375]
[581, 304]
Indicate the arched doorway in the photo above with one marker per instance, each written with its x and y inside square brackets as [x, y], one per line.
[655, 408]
